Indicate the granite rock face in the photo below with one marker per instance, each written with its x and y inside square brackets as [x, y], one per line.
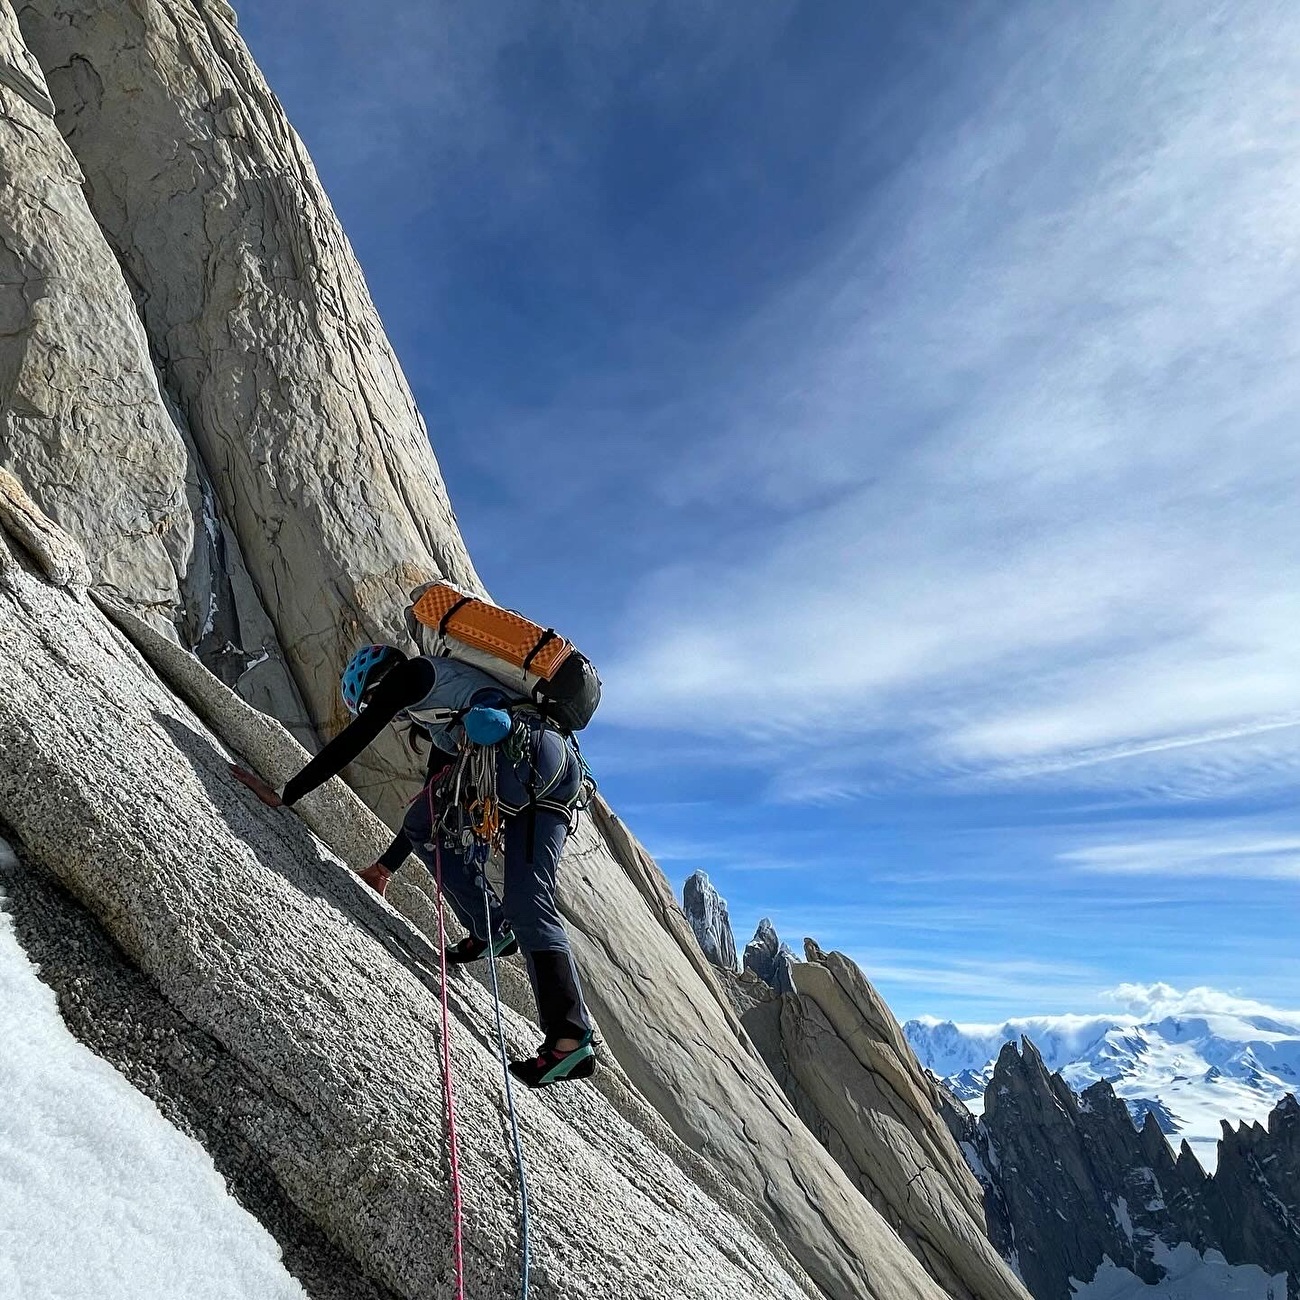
[84, 426]
[847, 1069]
[261, 328]
[60, 559]
[849, 1055]
[122, 1016]
[271, 958]
[706, 910]
[1069, 1182]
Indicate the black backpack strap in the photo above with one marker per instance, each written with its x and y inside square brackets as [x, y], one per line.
[530, 822]
[446, 618]
[413, 625]
[542, 641]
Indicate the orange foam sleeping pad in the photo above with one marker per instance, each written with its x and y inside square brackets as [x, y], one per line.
[496, 631]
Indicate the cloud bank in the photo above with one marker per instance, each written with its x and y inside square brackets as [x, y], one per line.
[1139, 1004]
[1158, 1001]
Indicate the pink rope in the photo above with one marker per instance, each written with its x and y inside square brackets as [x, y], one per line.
[457, 1242]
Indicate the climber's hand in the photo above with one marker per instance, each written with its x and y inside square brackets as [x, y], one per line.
[376, 876]
[255, 783]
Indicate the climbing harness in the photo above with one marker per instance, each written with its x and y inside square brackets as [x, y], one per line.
[472, 819]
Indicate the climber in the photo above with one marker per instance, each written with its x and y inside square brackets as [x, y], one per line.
[539, 779]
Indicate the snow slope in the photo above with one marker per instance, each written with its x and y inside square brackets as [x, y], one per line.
[1194, 1065]
[100, 1197]
[1188, 1276]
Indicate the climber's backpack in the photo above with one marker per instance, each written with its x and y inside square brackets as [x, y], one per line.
[534, 662]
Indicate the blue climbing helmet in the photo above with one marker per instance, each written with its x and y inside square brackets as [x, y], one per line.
[361, 671]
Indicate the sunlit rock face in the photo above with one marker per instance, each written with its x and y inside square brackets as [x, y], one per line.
[846, 1067]
[262, 331]
[85, 426]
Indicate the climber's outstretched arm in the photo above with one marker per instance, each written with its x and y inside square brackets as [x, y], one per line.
[403, 686]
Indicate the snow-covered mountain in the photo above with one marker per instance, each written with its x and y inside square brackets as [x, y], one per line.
[1195, 1063]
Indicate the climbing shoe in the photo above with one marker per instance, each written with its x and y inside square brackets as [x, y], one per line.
[553, 1066]
[376, 877]
[471, 949]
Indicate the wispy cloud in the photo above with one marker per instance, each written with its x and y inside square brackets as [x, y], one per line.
[1230, 852]
[1019, 454]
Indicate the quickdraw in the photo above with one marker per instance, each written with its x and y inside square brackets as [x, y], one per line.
[471, 816]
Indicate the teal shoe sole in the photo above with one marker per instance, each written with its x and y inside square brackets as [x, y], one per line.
[578, 1064]
[502, 946]
[505, 946]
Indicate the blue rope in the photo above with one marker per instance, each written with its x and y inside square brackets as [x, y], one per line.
[510, 1095]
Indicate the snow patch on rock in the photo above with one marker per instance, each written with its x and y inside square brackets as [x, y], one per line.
[1189, 1275]
[101, 1195]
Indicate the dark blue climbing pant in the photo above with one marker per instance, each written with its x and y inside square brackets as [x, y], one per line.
[528, 908]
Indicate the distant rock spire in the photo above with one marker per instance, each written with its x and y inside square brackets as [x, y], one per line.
[770, 959]
[706, 910]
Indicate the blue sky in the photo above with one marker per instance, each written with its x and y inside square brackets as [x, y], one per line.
[899, 403]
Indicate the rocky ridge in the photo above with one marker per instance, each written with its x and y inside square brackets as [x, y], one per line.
[706, 910]
[1253, 1199]
[769, 959]
[843, 1061]
[1070, 1182]
[1191, 1064]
